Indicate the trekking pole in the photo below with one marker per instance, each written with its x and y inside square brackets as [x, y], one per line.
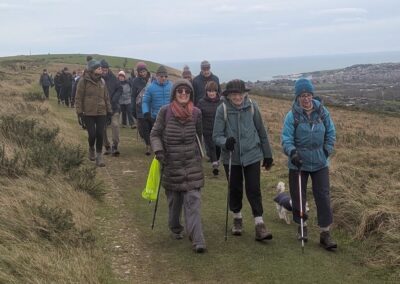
[227, 196]
[158, 194]
[301, 214]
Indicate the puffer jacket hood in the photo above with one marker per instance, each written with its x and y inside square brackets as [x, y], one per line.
[182, 82]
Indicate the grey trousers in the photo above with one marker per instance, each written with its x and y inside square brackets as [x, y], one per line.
[191, 203]
[114, 130]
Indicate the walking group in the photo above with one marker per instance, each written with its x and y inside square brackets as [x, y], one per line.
[174, 119]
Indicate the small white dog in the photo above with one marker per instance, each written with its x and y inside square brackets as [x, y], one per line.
[284, 203]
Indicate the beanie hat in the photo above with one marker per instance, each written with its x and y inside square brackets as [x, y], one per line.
[235, 86]
[88, 58]
[162, 71]
[141, 66]
[186, 74]
[205, 65]
[303, 86]
[121, 73]
[93, 65]
[181, 82]
[104, 64]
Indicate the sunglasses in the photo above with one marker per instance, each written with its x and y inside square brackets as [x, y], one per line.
[183, 90]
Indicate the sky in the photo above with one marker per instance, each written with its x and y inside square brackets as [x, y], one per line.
[185, 30]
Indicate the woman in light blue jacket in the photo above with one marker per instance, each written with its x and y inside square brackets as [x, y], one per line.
[240, 132]
[308, 138]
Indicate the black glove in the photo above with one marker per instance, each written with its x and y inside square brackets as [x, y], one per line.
[296, 159]
[109, 116]
[147, 116]
[160, 156]
[230, 143]
[268, 163]
[81, 120]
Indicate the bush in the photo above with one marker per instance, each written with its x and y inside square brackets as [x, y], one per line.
[12, 167]
[34, 96]
[84, 179]
[57, 226]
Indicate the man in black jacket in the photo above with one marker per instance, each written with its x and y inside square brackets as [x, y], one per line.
[200, 81]
[46, 82]
[66, 86]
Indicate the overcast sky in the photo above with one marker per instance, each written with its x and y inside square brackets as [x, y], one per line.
[184, 30]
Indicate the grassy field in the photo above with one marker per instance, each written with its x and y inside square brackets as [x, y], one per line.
[365, 191]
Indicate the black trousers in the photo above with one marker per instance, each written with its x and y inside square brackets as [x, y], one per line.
[95, 126]
[251, 174]
[126, 111]
[66, 95]
[46, 91]
[320, 189]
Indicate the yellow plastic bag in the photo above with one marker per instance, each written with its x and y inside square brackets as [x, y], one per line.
[153, 181]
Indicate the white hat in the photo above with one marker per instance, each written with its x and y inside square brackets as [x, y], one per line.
[121, 73]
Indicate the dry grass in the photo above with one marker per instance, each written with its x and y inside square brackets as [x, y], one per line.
[46, 220]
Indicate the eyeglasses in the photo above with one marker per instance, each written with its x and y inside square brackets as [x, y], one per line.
[183, 90]
[305, 95]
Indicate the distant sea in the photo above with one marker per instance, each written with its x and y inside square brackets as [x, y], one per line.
[264, 69]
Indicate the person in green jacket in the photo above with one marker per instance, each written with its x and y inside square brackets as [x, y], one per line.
[240, 132]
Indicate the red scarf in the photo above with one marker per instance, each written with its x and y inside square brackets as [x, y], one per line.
[182, 113]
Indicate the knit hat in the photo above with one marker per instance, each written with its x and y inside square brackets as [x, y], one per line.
[181, 82]
[104, 64]
[235, 86]
[162, 71]
[141, 66]
[303, 86]
[205, 65]
[186, 74]
[88, 58]
[121, 73]
[93, 65]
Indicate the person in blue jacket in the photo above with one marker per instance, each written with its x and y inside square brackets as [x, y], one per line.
[156, 95]
[308, 138]
[240, 133]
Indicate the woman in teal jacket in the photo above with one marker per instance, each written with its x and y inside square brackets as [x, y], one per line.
[308, 139]
[240, 132]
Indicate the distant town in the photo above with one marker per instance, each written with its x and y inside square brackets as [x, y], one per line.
[374, 87]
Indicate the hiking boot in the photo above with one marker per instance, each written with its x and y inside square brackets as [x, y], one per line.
[114, 151]
[262, 233]
[199, 248]
[305, 233]
[133, 126]
[148, 153]
[215, 168]
[326, 241]
[177, 236]
[99, 160]
[107, 151]
[237, 226]
[92, 155]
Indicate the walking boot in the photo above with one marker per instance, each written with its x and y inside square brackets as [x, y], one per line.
[326, 241]
[107, 151]
[99, 160]
[237, 226]
[114, 151]
[305, 233]
[92, 155]
[215, 168]
[262, 233]
[199, 248]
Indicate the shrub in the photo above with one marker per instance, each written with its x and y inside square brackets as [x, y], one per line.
[84, 179]
[34, 96]
[12, 167]
[57, 226]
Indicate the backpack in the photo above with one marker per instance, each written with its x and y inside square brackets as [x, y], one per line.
[225, 112]
[321, 116]
[139, 97]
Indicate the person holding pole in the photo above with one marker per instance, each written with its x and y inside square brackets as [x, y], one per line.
[308, 139]
[174, 140]
[240, 132]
